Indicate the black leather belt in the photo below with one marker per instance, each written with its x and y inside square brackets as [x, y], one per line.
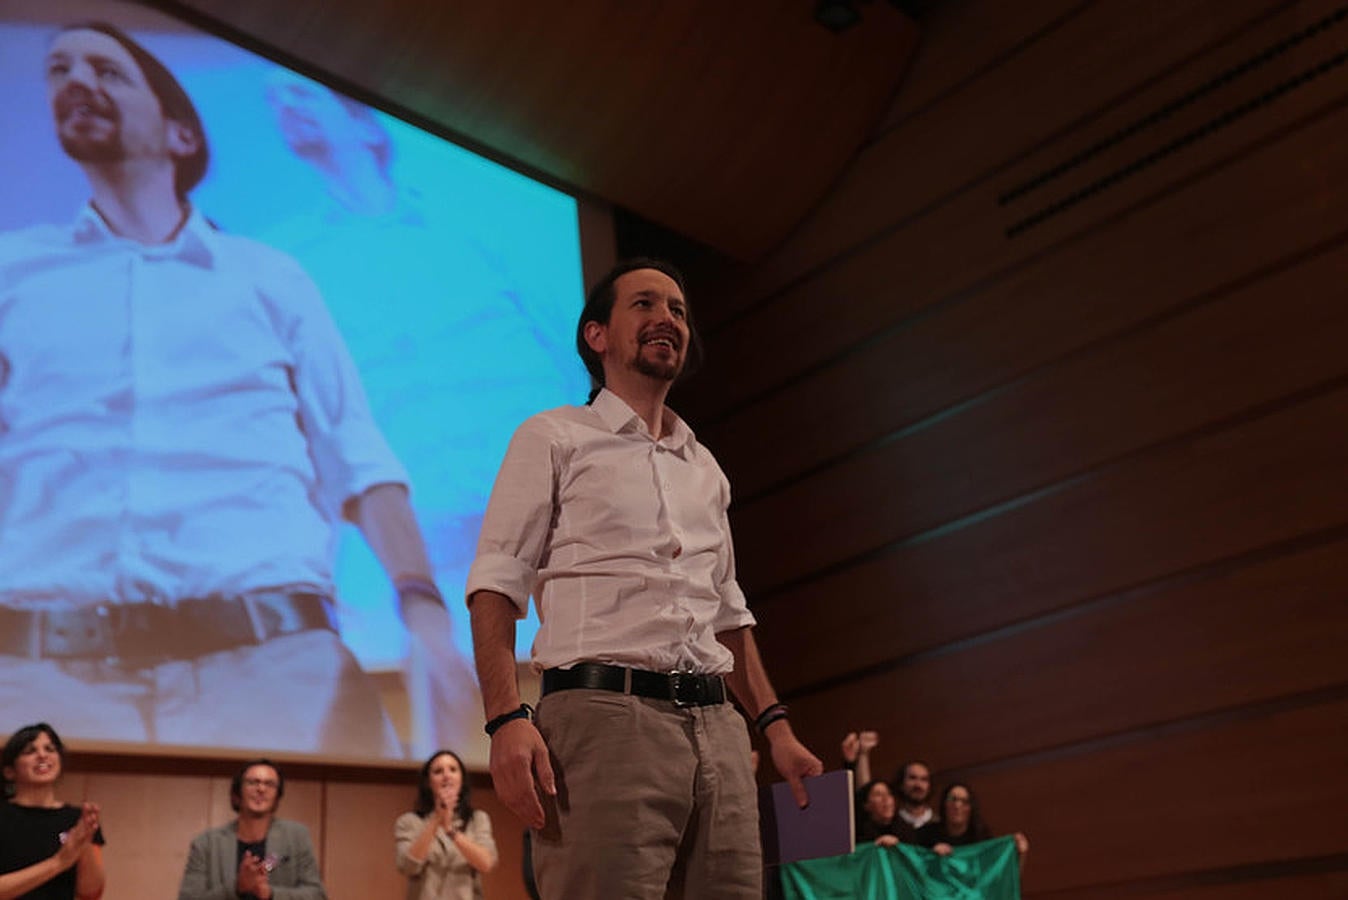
[680, 688]
[144, 632]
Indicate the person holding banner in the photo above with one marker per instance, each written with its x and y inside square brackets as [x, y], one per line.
[961, 824]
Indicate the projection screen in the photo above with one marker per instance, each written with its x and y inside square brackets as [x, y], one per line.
[188, 424]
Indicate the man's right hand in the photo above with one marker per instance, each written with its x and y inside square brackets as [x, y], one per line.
[518, 757]
[252, 877]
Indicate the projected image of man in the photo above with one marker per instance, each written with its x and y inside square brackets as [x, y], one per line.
[181, 429]
[388, 227]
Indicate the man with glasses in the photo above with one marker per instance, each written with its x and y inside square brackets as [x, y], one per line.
[257, 853]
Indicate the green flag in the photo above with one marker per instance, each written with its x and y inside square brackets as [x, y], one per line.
[989, 870]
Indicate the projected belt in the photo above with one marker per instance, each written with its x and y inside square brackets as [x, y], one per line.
[143, 632]
[681, 688]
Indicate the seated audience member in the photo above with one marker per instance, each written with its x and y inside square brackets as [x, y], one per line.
[856, 752]
[444, 845]
[961, 823]
[876, 817]
[913, 786]
[48, 850]
[257, 852]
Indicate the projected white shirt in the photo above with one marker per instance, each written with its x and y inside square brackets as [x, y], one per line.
[623, 541]
[175, 420]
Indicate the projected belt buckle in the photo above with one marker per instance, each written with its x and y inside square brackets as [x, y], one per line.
[687, 688]
[80, 632]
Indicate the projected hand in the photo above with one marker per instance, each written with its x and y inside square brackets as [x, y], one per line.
[440, 683]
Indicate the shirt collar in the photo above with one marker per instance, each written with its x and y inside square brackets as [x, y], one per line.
[195, 243]
[614, 412]
[916, 820]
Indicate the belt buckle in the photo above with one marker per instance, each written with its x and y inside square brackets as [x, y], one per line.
[687, 689]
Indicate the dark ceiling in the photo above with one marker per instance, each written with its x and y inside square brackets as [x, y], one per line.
[723, 120]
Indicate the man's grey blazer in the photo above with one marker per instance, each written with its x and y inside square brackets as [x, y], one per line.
[213, 864]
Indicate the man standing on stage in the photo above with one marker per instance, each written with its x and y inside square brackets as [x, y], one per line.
[181, 430]
[613, 517]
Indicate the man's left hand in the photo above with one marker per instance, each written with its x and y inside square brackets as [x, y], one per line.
[793, 760]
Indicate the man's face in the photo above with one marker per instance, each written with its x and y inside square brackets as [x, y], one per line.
[105, 111]
[647, 331]
[916, 786]
[312, 121]
[260, 791]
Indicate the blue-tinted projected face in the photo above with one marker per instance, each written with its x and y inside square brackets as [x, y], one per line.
[104, 110]
[454, 285]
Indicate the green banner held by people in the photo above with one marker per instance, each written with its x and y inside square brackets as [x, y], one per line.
[989, 870]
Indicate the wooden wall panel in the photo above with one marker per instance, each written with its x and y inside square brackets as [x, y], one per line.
[1274, 479]
[1061, 508]
[951, 265]
[358, 857]
[149, 822]
[1200, 367]
[1259, 886]
[1184, 800]
[1056, 83]
[1219, 641]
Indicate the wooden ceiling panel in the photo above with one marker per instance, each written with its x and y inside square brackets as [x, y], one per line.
[722, 121]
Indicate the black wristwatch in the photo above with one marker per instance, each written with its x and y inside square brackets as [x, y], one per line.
[524, 712]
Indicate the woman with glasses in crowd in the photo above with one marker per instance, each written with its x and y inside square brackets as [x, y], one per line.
[961, 823]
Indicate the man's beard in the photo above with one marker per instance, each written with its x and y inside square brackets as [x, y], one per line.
[102, 146]
[87, 149]
[666, 371]
[659, 368]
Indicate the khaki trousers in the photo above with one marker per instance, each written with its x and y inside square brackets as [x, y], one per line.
[653, 801]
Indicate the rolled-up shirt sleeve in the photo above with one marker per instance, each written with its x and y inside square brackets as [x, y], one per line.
[519, 516]
[734, 612]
